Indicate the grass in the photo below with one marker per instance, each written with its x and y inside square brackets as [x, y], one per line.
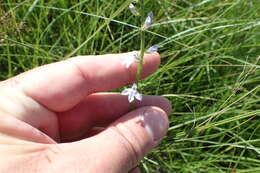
[210, 68]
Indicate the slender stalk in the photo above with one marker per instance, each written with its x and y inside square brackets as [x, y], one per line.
[142, 45]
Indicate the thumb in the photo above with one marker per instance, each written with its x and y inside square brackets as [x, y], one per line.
[120, 147]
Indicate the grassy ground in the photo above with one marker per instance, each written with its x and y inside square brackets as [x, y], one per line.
[210, 68]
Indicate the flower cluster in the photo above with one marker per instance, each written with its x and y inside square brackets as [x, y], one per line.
[137, 56]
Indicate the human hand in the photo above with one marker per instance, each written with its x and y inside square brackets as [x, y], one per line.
[55, 118]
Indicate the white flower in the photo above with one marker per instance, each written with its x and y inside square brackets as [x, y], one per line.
[130, 58]
[132, 93]
[148, 21]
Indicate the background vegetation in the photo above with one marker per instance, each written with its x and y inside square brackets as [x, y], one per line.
[210, 68]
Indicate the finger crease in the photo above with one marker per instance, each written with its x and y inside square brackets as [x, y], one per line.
[80, 72]
[128, 145]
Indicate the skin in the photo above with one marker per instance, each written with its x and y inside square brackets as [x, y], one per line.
[60, 117]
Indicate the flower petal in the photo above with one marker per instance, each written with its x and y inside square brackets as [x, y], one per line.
[131, 97]
[152, 49]
[134, 86]
[138, 96]
[126, 91]
[128, 60]
[136, 55]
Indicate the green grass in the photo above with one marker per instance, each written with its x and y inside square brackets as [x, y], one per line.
[210, 68]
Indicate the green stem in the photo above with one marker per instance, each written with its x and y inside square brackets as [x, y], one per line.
[142, 46]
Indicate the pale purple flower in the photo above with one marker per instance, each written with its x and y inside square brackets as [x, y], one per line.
[130, 58]
[132, 93]
[148, 21]
[152, 49]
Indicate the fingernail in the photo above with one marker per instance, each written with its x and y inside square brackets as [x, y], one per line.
[155, 123]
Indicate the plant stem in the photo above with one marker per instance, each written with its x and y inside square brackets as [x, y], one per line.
[142, 46]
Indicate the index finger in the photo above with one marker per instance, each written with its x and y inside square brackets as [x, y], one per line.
[62, 85]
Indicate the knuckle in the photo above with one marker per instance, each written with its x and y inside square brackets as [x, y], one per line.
[129, 142]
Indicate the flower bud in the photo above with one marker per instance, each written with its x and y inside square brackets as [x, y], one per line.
[133, 10]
